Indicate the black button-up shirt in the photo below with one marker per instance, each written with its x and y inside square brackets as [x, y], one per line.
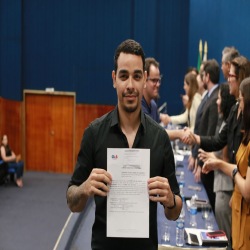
[104, 133]
[230, 135]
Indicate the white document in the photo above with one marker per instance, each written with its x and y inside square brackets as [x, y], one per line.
[128, 199]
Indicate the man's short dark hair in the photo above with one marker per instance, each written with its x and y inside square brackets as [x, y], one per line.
[129, 47]
[212, 68]
[229, 53]
[151, 61]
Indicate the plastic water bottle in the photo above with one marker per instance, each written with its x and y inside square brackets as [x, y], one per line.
[182, 179]
[193, 212]
[179, 232]
[176, 148]
[182, 214]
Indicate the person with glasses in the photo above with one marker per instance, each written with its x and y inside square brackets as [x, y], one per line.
[194, 100]
[231, 134]
[240, 173]
[228, 54]
[151, 91]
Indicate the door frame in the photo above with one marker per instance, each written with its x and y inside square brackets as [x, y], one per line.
[42, 92]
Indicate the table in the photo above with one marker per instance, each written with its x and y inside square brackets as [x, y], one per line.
[189, 180]
[79, 236]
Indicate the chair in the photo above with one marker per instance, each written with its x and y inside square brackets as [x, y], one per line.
[11, 172]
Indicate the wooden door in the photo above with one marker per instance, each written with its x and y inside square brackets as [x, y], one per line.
[62, 117]
[49, 129]
[37, 122]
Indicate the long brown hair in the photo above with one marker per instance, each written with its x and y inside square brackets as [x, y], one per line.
[245, 91]
[190, 79]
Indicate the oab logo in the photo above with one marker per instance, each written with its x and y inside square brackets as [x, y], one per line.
[114, 156]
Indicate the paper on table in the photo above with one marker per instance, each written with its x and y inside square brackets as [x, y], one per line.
[128, 199]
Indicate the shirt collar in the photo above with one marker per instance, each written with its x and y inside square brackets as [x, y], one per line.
[115, 118]
[212, 89]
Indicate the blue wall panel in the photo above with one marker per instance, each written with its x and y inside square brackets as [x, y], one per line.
[220, 23]
[10, 49]
[69, 45]
[162, 29]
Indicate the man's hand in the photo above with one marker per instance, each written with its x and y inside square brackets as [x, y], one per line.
[210, 165]
[195, 166]
[197, 176]
[204, 156]
[191, 161]
[77, 196]
[165, 119]
[160, 186]
[189, 137]
[96, 183]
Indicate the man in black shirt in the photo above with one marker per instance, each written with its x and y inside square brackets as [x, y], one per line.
[125, 127]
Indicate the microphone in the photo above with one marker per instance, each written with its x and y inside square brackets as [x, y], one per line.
[162, 107]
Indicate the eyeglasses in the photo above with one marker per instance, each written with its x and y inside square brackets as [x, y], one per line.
[232, 75]
[155, 80]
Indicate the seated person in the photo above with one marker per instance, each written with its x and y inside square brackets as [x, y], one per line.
[13, 161]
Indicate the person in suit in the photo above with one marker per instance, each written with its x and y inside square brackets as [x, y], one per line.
[240, 173]
[208, 121]
[231, 133]
[203, 92]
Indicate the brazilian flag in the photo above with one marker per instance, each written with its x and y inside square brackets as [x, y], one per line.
[200, 56]
[199, 62]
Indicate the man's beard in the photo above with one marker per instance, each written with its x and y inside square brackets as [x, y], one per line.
[132, 108]
[205, 86]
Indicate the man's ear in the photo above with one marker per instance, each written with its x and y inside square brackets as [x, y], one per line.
[207, 77]
[145, 79]
[114, 79]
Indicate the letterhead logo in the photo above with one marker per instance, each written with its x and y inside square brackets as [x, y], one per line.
[114, 156]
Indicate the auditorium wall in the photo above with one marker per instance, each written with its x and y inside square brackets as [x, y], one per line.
[220, 23]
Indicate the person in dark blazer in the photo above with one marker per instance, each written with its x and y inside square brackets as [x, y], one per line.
[208, 121]
[203, 91]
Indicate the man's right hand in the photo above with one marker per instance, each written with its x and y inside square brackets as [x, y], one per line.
[189, 137]
[96, 183]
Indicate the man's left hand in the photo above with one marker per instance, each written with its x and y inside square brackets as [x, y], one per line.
[159, 191]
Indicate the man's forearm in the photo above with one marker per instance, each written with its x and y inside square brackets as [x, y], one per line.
[174, 134]
[76, 198]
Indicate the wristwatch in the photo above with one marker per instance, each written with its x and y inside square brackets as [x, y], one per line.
[234, 172]
[174, 203]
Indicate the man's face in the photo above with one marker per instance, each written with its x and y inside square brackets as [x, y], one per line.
[225, 67]
[233, 82]
[129, 81]
[152, 83]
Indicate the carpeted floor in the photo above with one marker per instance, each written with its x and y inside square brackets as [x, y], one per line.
[32, 217]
